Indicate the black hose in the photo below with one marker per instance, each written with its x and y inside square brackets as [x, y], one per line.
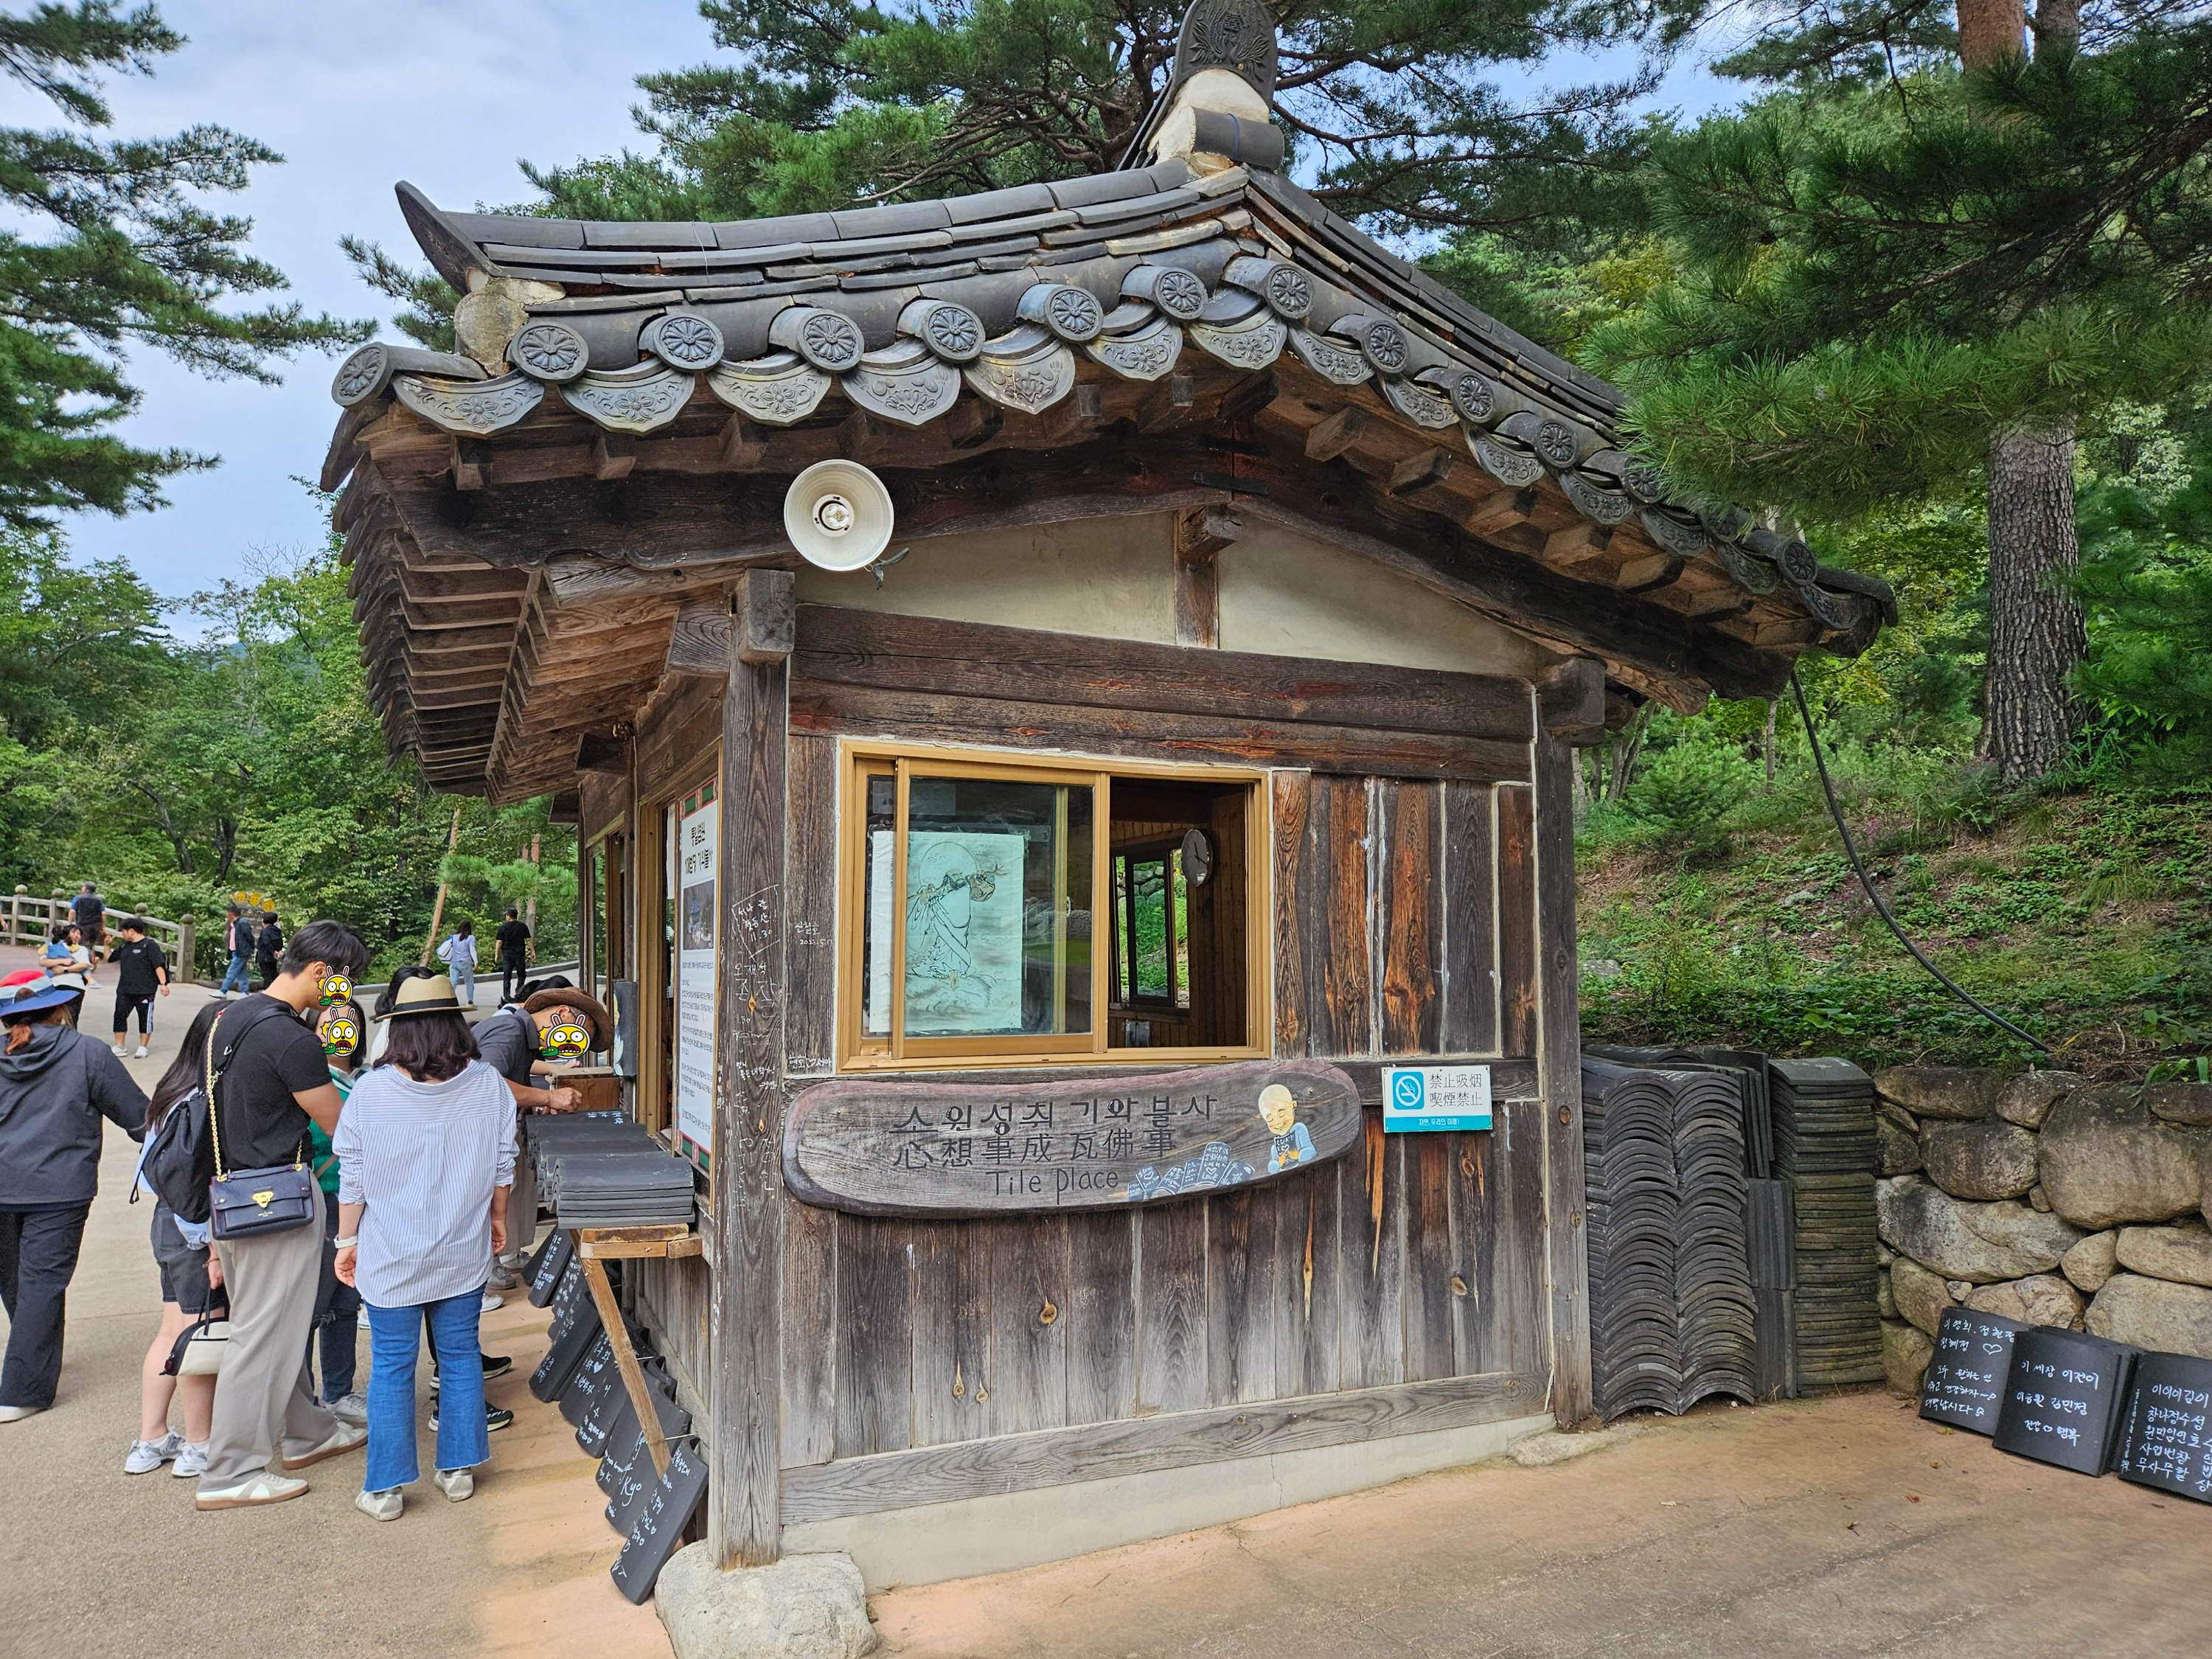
[1851, 852]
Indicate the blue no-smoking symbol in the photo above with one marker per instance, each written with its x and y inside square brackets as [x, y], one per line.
[1410, 1090]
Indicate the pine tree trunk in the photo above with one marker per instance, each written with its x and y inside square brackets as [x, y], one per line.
[2036, 632]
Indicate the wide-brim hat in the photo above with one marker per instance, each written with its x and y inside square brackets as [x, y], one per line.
[430, 994]
[36, 996]
[593, 1011]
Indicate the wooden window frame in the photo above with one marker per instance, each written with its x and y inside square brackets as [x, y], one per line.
[860, 1053]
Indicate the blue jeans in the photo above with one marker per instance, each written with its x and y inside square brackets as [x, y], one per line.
[395, 1338]
[234, 977]
[464, 981]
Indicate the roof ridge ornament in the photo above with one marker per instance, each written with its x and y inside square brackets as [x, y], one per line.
[1236, 35]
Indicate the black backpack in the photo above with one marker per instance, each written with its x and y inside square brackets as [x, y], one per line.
[180, 1159]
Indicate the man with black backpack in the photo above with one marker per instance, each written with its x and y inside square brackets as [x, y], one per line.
[270, 1079]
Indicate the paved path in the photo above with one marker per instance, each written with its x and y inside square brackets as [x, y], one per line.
[1841, 1527]
[93, 1562]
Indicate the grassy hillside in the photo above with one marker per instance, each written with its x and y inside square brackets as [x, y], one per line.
[2083, 915]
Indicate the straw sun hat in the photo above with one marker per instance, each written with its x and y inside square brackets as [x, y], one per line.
[431, 995]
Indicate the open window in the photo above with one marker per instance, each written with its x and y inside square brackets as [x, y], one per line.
[1001, 913]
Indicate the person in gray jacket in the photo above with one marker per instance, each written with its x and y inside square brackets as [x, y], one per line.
[56, 1083]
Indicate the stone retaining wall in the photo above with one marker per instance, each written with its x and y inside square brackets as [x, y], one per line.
[2044, 1200]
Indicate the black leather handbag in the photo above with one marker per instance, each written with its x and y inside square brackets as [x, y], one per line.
[249, 1203]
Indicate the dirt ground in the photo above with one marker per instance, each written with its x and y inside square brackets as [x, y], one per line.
[1839, 1527]
[97, 1565]
[1842, 1526]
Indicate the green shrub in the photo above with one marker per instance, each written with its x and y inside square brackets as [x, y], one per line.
[1687, 795]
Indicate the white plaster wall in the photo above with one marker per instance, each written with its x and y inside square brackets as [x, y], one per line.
[1109, 577]
[1283, 595]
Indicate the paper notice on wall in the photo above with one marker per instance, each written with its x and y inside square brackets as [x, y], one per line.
[698, 840]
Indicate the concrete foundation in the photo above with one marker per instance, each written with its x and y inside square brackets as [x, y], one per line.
[933, 1542]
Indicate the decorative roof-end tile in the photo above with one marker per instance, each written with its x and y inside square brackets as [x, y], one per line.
[547, 350]
[1600, 506]
[1834, 611]
[1381, 341]
[636, 400]
[947, 327]
[1514, 467]
[1752, 576]
[1328, 360]
[1172, 288]
[1142, 353]
[1668, 530]
[1419, 405]
[1071, 313]
[1252, 344]
[826, 340]
[473, 409]
[1641, 480]
[1873, 587]
[1287, 290]
[1031, 379]
[366, 373]
[775, 390]
[905, 383]
[683, 340]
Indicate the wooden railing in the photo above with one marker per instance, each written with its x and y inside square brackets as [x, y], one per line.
[30, 918]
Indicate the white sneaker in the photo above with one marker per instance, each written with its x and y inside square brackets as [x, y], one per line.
[121, 1054]
[344, 1438]
[380, 1505]
[147, 1456]
[349, 1408]
[491, 1301]
[192, 1461]
[141, 1052]
[257, 1488]
[17, 1413]
[459, 1485]
[361, 1319]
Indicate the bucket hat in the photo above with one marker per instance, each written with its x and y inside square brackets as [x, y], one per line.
[432, 994]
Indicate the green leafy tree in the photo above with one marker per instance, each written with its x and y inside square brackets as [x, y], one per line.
[1899, 273]
[108, 248]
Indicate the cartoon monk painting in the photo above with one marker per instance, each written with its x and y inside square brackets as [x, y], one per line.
[1293, 1145]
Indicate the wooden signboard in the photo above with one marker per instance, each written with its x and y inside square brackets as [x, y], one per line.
[2166, 1441]
[899, 1147]
[2063, 1397]
[1965, 1382]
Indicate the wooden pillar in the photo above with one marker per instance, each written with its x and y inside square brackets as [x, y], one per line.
[743, 1524]
[1200, 536]
[187, 946]
[1559, 1060]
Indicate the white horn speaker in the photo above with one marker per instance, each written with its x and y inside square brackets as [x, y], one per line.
[838, 515]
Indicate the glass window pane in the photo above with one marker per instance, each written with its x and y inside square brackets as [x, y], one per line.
[998, 907]
[876, 937]
[1148, 944]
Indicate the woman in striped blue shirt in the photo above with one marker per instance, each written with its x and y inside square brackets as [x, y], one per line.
[426, 1155]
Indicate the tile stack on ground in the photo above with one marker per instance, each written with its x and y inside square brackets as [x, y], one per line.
[2044, 1200]
[1825, 1152]
[1671, 1304]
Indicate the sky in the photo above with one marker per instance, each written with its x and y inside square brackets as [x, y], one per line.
[357, 97]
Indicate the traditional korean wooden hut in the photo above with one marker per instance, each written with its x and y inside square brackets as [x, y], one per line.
[1205, 731]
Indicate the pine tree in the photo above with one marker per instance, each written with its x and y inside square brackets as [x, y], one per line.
[109, 250]
[1393, 107]
[1898, 270]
